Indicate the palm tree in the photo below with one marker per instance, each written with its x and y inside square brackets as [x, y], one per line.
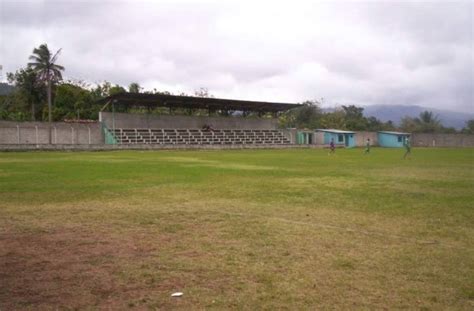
[429, 118]
[43, 63]
[429, 122]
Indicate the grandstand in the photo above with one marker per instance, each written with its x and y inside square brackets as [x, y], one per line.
[175, 129]
[198, 136]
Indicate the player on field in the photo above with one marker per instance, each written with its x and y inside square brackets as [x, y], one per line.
[407, 145]
[332, 147]
[367, 146]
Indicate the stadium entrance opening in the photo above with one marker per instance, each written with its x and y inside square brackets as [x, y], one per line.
[304, 138]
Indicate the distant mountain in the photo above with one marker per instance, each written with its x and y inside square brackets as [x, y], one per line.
[5, 88]
[397, 112]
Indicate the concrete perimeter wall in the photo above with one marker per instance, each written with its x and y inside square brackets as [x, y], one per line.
[37, 133]
[423, 139]
[442, 140]
[129, 120]
[69, 147]
[417, 139]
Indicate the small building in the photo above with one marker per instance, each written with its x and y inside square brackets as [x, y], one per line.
[392, 139]
[341, 138]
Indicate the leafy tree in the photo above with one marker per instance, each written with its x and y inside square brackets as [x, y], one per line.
[469, 129]
[28, 89]
[134, 87]
[203, 92]
[374, 124]
[334, 120]
[427, 122]
[101, 90]
[354, 118]
[388, 126]
[43, 62]
[409, 124]
[74, 102]
[307, 116]
[116, 89]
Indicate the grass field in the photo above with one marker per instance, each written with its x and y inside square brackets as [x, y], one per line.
[250, 229]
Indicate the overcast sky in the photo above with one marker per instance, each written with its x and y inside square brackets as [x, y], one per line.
[347, 52]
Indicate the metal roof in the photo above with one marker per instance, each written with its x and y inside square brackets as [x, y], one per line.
[174, 101]
[394, 133]
[335, 131]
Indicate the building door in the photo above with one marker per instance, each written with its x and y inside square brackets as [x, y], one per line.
[349, 140]
[300, 138]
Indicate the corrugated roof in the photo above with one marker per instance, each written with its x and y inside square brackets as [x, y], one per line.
[174, 101]
[335, 131]
[394, 133]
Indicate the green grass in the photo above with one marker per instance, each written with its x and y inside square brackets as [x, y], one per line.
[249, 229]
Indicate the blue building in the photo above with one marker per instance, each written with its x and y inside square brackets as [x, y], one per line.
[392, 139]
[344, 138]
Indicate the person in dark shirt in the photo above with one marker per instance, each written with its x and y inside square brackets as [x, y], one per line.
[332, 147]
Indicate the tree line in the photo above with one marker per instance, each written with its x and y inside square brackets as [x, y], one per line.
[40, 94]
[310, 115]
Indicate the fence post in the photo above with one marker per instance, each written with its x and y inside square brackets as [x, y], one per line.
[89, 132]
[36, 132]
[18, 133]
[55, 136]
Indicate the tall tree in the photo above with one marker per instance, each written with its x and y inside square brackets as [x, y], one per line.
[354, 118]
[429, 122]
[134, 87]
[43, 62]
[27, 86]
[306, 116]
[202, 92]
[334, 120]
[409, 124]
[469, 129]
[429, 118]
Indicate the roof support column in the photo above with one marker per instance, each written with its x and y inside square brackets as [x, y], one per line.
[113, 117]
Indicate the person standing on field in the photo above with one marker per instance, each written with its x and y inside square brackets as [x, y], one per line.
[367, 146]
[407, 148]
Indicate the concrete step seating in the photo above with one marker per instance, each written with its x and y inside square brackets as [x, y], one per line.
[198, 137]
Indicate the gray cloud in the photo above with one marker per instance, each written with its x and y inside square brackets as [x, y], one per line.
[347, 52]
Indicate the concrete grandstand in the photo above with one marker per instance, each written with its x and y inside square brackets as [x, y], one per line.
[209, 121]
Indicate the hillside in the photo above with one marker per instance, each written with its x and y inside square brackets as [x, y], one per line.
[5, 88]
[397, 112]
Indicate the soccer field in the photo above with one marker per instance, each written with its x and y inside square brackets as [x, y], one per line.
[248, 229]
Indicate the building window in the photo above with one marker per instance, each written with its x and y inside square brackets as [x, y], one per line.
[340, 138]
[399, 139]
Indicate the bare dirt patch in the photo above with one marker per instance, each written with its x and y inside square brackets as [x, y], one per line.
[74, 268]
